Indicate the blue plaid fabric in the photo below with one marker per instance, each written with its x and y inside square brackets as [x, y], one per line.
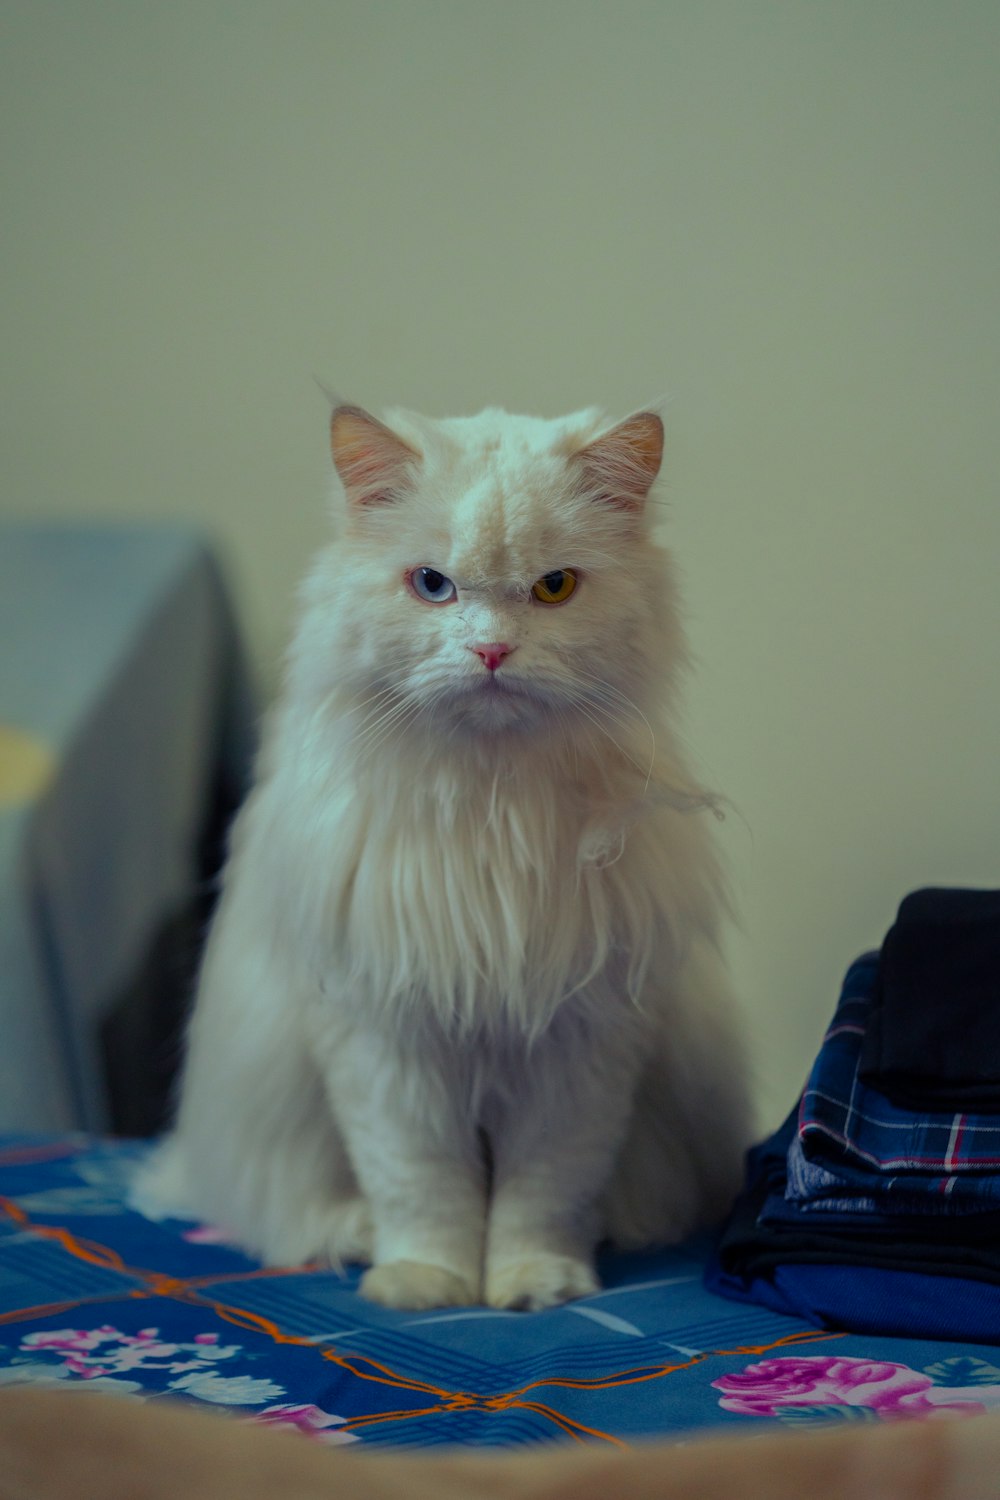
[813, 1188]
[855, 1151]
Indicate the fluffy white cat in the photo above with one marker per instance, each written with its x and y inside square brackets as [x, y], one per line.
[461, 1014]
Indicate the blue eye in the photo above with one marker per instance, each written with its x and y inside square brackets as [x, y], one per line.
[431, 586]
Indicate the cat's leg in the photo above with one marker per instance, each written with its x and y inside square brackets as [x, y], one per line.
[283, 1202]
[554, 1142]
[681, 1162]
[657, 1194]
[256, 1149]
[416, 1151]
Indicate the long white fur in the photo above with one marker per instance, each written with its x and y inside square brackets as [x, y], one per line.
[461, 1012]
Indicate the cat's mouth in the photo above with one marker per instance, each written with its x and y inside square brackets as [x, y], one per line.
[492, 700]
[500, 690]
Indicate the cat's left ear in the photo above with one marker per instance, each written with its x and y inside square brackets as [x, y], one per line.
[372, 461]
[620, 466]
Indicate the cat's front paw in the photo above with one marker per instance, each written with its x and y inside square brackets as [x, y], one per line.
[414, 1285]
[538, 1281]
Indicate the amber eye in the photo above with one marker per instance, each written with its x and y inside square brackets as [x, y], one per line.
[555, 588]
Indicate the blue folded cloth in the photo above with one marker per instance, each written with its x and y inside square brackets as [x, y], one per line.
[854, 1150]
[872, 1299]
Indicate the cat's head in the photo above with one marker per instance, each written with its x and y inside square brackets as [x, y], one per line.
[495, 574]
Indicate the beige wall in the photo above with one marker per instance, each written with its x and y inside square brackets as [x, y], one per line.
[783, 213]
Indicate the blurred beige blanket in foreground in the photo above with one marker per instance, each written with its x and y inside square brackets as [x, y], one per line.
[72, 1446]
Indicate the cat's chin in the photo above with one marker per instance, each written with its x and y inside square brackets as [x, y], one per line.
[489, 706]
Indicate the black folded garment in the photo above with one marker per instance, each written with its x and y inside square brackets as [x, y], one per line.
[749, 1247]
[933, 1040]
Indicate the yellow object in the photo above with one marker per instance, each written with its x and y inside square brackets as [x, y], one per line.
[26, 765]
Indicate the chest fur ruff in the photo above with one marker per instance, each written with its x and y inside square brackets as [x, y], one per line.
[491, 905]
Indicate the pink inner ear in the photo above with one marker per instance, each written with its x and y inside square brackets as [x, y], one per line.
[371, 460]
[620, 467]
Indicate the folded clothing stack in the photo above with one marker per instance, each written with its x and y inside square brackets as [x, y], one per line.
[876, 1206]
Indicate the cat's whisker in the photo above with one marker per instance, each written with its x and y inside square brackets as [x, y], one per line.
[569, 735]
[372, 734]
[373, 721]
[688, 797]
[611, 691]
[388, 734]
[625, 710]
[379, 702]
[607, 733]
[381, 696]
[608, 690]
[391, 724]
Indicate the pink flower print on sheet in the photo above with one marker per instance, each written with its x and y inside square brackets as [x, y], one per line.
[774, 1387]
[100, 1356]
[210, 1234]
[310, 1421]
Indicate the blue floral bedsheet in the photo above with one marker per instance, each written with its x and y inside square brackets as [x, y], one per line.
[93, 1296]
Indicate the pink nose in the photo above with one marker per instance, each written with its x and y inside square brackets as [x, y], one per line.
[492, 653]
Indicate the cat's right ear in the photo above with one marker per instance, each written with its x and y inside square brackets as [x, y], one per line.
[374, 464]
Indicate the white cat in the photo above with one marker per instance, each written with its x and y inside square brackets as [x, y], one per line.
[461, 1013]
